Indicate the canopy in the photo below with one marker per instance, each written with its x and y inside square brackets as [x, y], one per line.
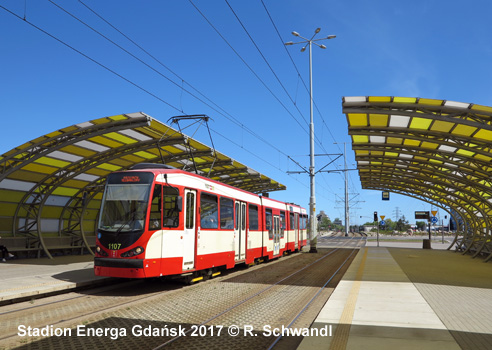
[52, 186]
[438, 151]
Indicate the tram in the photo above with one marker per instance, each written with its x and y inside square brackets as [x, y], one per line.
[156, 220]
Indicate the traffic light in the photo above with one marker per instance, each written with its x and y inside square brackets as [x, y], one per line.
[375, 216]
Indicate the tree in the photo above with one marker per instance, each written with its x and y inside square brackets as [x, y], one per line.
[402, 224]
[421, 225]
[389, 225]
[325, 224]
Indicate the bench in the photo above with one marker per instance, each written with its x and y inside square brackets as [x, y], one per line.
[22, 246]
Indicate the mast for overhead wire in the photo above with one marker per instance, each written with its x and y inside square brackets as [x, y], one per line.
[312, 198]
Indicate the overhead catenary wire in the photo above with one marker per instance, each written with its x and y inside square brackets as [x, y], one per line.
[266, 61]
[182, 80]
[248, 66]
[111, 70]
[304, 83]
[89, 58]
[97, 62]
[218, 109]
[275, 74]
[297, 70]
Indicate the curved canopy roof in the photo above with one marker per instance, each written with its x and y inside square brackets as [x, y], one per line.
[436, 150]
[53, 184]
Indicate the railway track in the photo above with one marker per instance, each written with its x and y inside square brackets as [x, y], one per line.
[288, 292]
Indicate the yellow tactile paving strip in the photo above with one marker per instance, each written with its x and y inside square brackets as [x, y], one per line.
[376, 306]
[341, 334]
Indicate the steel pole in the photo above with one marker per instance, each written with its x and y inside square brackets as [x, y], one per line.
[312, 198]
[347, 217]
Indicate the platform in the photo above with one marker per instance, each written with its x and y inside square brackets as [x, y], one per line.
[409, 298]
[396, 296]
[32, 278]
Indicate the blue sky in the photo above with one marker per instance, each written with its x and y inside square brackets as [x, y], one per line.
[424, 48]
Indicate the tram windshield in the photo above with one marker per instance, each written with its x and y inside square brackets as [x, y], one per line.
[125, 202]
[124, 207]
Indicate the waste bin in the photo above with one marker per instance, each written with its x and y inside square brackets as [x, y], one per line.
[426, 244]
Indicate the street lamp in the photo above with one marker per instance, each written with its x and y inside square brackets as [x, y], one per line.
[312, 199]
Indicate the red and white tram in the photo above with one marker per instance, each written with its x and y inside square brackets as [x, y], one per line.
[160, 221]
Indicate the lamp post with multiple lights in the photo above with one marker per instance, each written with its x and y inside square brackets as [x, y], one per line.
[312, 198]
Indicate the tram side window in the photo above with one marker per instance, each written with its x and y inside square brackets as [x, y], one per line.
[303, 222]
[253, 217]
[226, 213]
[269, 223]
[170, 206]
[291, 222]
[243, 215]
[190, 210]
[209, 210]
[155, 208]
[282, 224]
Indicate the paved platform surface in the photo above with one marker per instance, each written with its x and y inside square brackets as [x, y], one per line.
[396, 296]
[29, 278]
[409, 298]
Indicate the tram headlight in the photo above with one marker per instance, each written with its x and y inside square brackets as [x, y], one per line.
[133, 252]
[101, 251]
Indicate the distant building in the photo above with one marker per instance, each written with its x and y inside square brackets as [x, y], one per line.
[322, 215]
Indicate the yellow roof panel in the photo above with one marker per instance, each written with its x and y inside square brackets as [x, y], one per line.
[483, 157]
[134, 159]
[404, 99]
[430, 145]
[442, 126]
[118, 117]
[484, 135]
[378, 120]
[482, 108]
[79, 151]
[53, 162]
[38, 168]
[121, 138]
[464, 130]
[394, 140]
[109, 167]
[464, 152]
[145, 155]
[420, 123]
[429, 101]
[65, 191]
[410, 142]
[379, 99]
[106, 142]
[360, 139]
[357, 119]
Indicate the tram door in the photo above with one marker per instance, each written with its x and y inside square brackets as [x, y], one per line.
[276, 235]
[240, 231]
[189, 230]
[296, 229]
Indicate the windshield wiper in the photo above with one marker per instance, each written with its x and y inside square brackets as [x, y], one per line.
[130, 221]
